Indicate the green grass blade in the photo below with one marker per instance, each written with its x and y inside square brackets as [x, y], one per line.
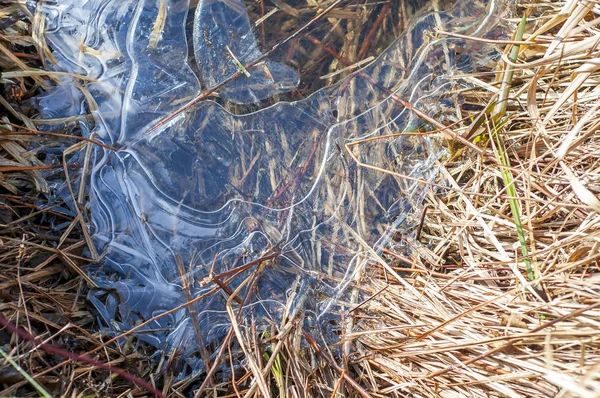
[501, 154]
[30, 379]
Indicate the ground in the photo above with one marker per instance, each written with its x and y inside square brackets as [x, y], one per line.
[499, 296]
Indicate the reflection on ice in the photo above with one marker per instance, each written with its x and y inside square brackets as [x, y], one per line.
[265, 215]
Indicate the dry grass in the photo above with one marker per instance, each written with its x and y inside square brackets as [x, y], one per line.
[467, 321]
[464, 319]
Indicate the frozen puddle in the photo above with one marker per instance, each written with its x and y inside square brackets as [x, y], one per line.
[265, 216]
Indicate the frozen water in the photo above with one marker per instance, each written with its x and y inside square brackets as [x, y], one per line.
[222, 28]
[267, 214]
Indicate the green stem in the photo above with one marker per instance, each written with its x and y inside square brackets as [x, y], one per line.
[30, 379]
[501, 155]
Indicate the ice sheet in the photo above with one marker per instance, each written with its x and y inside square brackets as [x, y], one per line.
[201, 200]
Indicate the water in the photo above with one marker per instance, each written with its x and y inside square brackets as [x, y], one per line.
[199, 201]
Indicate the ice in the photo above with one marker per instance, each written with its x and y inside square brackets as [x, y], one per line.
[222, 28]
[273, 214]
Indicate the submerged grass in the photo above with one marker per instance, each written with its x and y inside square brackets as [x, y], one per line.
[469, 317]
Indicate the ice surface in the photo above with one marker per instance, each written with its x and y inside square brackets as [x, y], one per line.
[222, 28]
[198, 201]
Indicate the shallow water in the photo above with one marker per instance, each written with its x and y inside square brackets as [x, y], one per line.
[209, 193]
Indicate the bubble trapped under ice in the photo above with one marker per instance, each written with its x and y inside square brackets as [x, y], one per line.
[188, 211]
